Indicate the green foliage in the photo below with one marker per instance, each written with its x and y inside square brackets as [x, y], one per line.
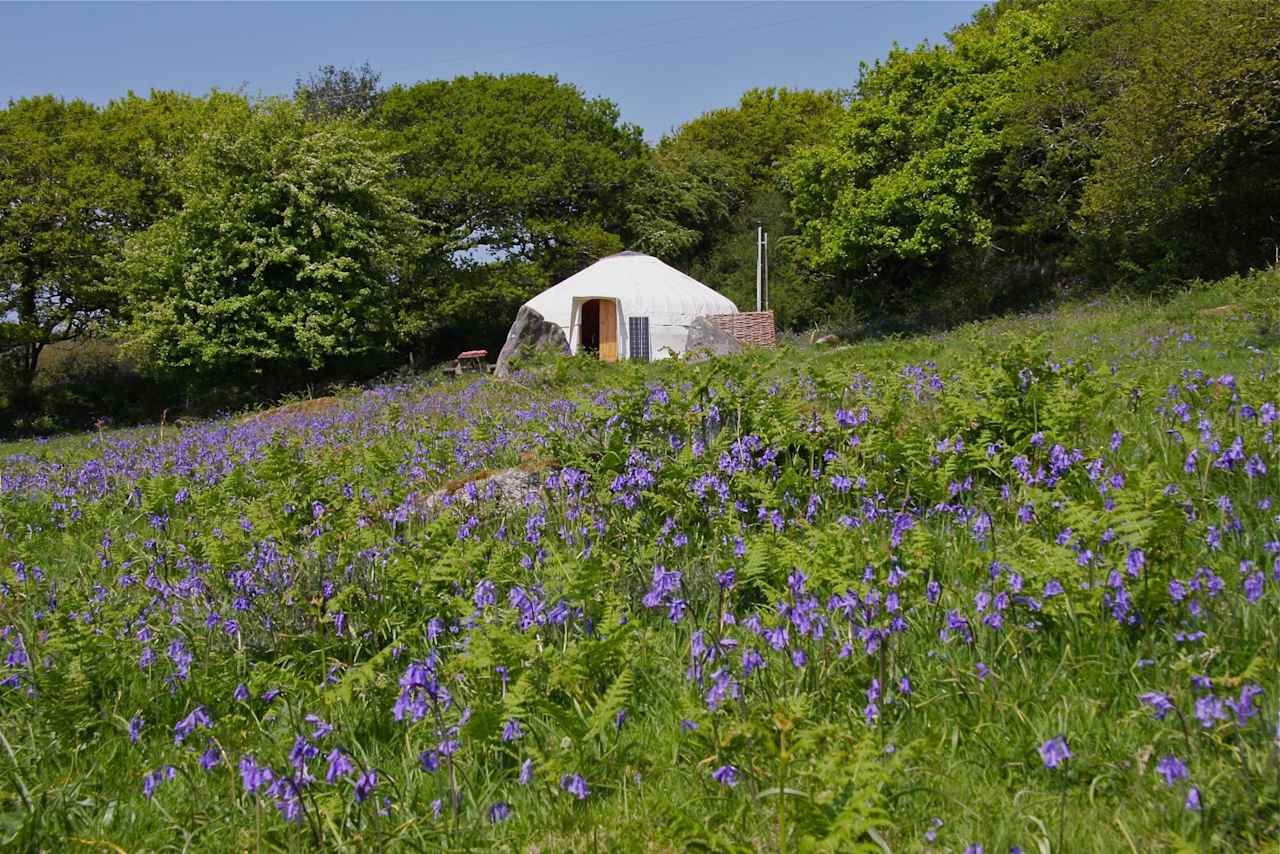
[515, 165]
[75, 181]
[717, 178]
[1049, 145]
[1185, 158]
[339, 92]
[285, 252]
[903, 188]
[344, 546]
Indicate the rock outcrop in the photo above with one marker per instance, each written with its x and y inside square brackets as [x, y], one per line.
[705, 338]
[529, 333]
[507, 488]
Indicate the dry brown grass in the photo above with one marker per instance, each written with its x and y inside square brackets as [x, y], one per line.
[315, 406]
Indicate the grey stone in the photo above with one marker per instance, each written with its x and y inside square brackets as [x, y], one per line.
[507, 488]
[705, 338]
[529, 333]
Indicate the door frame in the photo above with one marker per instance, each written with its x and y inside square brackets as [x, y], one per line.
[618, 323]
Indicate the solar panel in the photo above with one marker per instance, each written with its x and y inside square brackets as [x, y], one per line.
[638, 334]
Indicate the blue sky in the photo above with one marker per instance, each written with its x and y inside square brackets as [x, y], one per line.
[662, 63]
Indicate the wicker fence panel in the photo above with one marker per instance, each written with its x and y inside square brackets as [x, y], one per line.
[749, 327]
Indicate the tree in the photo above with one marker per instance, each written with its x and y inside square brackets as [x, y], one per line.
[75, 182]
[1184, 182]
[904, 185]
[514, 170]
[330, 92]
[679, 202]
[285, 253]
[712, 182]
[515, 165]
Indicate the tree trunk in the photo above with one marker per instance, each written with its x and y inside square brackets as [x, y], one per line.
[23, 397]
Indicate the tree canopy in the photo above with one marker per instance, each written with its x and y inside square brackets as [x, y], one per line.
[284, 252]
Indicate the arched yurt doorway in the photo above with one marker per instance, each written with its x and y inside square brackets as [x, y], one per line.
[598, 328]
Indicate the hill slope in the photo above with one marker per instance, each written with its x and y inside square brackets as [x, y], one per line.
[1014, 585]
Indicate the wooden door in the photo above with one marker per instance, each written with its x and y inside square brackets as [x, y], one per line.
[608, 331]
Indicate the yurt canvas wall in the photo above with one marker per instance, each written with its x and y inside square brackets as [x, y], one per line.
[628, 306]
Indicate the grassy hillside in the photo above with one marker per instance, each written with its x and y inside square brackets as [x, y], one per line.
[1016, 585]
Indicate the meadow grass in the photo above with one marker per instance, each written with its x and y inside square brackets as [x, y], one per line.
[813, 600]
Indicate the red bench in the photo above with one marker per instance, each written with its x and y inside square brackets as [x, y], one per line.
[470, 360]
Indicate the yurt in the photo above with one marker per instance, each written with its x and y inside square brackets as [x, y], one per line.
[626, 306]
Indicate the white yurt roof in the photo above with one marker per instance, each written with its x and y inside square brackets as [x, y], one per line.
[643, 284]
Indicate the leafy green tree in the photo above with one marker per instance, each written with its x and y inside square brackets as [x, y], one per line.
[75, 181]
[904, 190]
[681, 201]
[1081, 141]
[523, 181]
[718, 177]
[1184, 182]
[519, 165]
[763, 130]
[285, 254]
[344, 92]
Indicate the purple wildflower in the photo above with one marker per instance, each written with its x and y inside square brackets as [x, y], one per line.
[1193, 799]
[253, 775]
[339, 766]
[155, 778]
[726, 775]
[575, 785]
[1210, 708]
[199, 717]
[365, 784]
[1171, 768]
[1160, 704]
[211, 758]
[1055, 752]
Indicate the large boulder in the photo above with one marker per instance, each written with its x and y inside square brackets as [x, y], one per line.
[530, 332]
[709, 339]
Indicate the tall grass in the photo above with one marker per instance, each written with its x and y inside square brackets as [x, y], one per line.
[798, 600]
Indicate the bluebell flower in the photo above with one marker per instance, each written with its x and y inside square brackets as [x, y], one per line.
[1192, 802]
[199, 717]
[1055, 752]
[726, 775]
[211, 758]
[339, 766]
[365, 784]
[1209, 709]
[1160, 704]
[252, 775]
[575, 785]
[1171, 768]
[155, 778]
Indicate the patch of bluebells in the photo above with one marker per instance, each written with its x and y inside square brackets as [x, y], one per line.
[163, 603]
